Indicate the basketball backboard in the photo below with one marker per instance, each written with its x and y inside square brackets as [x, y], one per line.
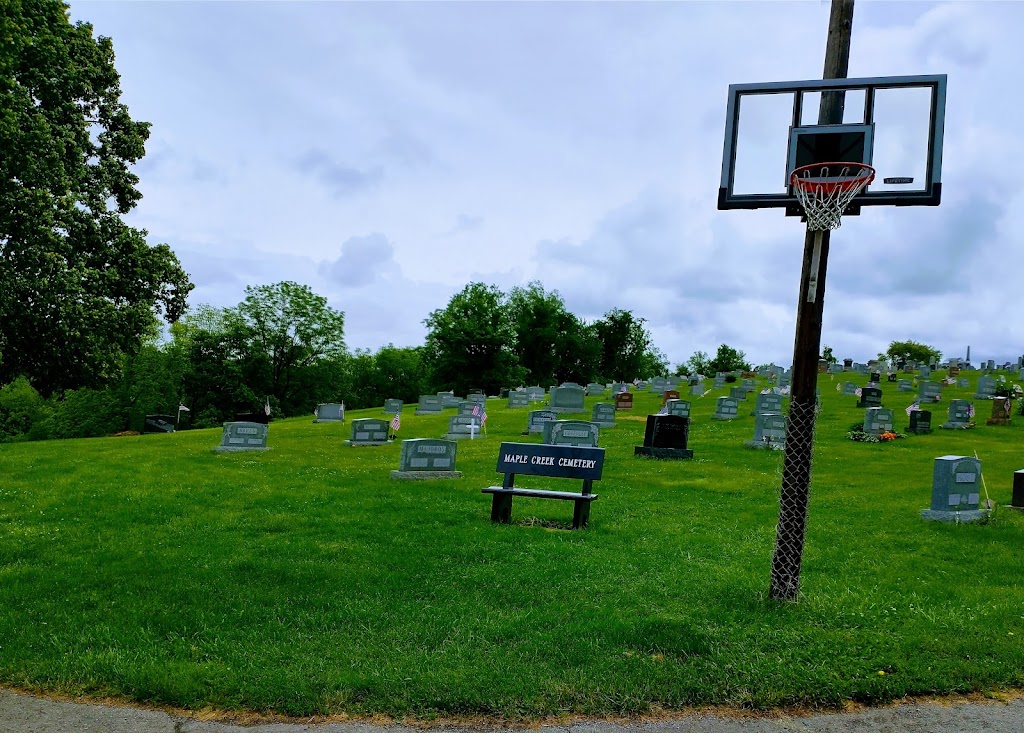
[893, 123]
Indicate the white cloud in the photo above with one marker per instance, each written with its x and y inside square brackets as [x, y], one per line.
[575, 143]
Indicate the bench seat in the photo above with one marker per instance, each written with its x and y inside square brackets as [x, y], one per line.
[541, 493]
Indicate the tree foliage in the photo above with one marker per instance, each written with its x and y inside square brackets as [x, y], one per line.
[624, 345]
[912, 351]
[552, 344]
[728, 359]
[78, 287]
[472, 342]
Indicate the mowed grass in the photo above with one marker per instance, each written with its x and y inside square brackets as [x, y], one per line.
[305, 581]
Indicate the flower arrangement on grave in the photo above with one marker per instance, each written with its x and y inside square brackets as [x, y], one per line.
[856, 433]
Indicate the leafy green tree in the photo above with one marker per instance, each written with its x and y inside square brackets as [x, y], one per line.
[698, 363]
[624, 345]
[22, 411]
[826, 355]
[653, 362]
[472, 342]
[728, 359]
[551, 343]
[78, 287]
[912, 351]
[287, 327]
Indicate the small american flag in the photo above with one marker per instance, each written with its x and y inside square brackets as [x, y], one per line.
[857, 392]
[396, 421]
[970, 410]
[914, 406]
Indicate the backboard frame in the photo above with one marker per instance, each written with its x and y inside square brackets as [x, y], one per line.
[929, 195]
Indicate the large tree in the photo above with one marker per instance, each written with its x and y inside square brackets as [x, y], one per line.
[471, 342]
[912, 351]
[552, 344]
[625, 344]
[79, 288]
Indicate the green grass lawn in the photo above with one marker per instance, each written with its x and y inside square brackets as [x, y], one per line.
[305, 581]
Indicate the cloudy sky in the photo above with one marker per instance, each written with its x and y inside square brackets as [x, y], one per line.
[387, 154]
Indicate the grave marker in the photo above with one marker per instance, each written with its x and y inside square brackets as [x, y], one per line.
[518, 399]
[1002, 408]
[427, 458]
[603, 415]
[878, 420]
[595, 390]
[920, 422]
[680, 408]
[536, 419]
[929, 391]
[726, 408]
[567, 399]
[665, 436]
[243, 436]
[767, 403]
[986, 388]
[571, 432]
[330, 412]
[429, 404]
[956, 490]
[369, 431]
[393, 407]
[624, 401]
[464, 426]
[960, 414]
[870, 397]
[769, 431]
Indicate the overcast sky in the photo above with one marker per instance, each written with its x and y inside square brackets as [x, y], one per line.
[387, 154]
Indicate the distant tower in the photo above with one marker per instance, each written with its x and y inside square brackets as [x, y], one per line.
[968, 354]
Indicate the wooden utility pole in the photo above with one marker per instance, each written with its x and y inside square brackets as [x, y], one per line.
[796, 468]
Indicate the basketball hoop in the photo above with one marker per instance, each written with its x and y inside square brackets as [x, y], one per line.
[824, 190]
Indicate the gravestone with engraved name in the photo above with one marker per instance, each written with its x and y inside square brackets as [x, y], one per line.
[666, 437]
[769, 431]
[658, 385]
[330, 412]
[464, 426]
[536, 419]
[427, 458]
[467, 407]
[369, 431]
[696, 388]
[835, 368]
[920, 422]
[870, 397]
[962, 383]
[719, 382]
[1002, 408]
[929, 391]
[849, 389]
[624, 401]
[619, 387]
[784, 379]
[392, 407]
[956, 490]
[567, 399]
[571, 432]
[925, 372]
[518, 399]
[766, 403]
[595, 390]
[243, 436]
[986, 388]
[677, 407]
[429, 404]
[669, 394]
[738, 393]
[571, 384]
[959, 415]
[904, 385]
[449, 400]
[603, 415]
[477, 397]
[641, 386]
[878, 420]
[726, 408]
[535, 394]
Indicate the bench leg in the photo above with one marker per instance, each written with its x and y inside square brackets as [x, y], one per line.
[580, 514]
[501, 508]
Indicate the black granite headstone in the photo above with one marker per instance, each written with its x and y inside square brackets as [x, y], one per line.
[665, 436]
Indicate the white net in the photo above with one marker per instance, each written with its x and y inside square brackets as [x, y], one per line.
[825, 190]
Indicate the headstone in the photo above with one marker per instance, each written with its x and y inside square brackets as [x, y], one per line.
[767, 403]
[429, 404]
[991, 365]
[665, 436]
[669, 394]
[567, 399]
[1017, 498]
[986, 388]
[835, 368]
[719, 381]
[477, 397]
[369, 431]
[536, 419]
[467, 407]
[427, 458]
[603, 415]
[849, 389]
[1002, 408]
[738, 393]
[158, 424]
[595, 390]
[962, 383]
[243, 436]
[619, 387]
[870, 397]
[571, 384]
[875, 377]
[920, 422]
[959, 415]
[641, 385]
[680, 408]
[624, 401]
[954, 371]
[518, 399]
[330, 412]
[726, 408]
[535, 394]
[956, 490]
[878, 420]
[893, 378]
[848, 365]
[392, 407]
[658, 385]
[571, 432]
[769, 431]
[926, 372]
[784, 379]
[464, 426]
[448, 400]
[929, 391]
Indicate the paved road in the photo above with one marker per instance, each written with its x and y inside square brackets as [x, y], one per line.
[27, 714]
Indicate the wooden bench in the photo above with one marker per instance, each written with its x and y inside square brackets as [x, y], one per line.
[559, 461]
